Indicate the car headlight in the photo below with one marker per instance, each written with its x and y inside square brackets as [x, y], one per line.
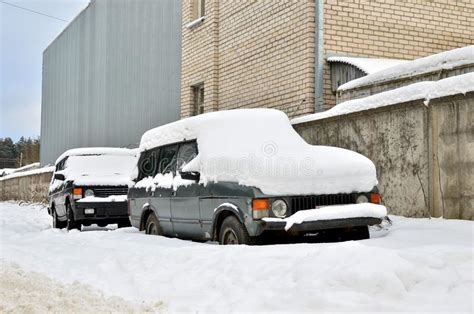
[279, 208]
[89, 192]
[362, 198]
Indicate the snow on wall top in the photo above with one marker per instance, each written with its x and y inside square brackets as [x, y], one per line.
[27, 173]
[441, 61]
[259, 148]
[97, 151]
[427, 90]
[7, 171]
[368, 65]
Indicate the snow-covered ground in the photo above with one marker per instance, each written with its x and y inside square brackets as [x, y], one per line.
[412, 265]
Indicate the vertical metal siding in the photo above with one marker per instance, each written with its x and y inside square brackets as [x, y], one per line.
[111, 75]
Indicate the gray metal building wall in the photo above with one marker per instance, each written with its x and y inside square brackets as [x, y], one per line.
[112, 74]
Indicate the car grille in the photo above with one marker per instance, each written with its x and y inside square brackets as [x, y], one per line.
[312, 201]
[109, 190]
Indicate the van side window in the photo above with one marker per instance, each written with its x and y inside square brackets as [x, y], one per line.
[148, 164]
[168, 159]
[61, 165]
[187, 152]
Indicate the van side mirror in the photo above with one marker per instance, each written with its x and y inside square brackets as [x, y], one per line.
[59, 176]
[192, 175]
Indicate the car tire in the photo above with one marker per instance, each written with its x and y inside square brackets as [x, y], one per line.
[71, 222]
[124, 223]
[152, 225]
[57, 224]
[102, 224]
[234, 232]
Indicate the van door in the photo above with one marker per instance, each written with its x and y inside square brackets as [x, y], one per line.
[156, 196]
[58, 193]
[185, 200]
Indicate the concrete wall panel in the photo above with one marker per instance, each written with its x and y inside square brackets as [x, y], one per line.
[424, 154]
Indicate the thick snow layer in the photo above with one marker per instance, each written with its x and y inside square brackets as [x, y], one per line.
[167, 181]
[30, 292]
[7, 171]
[97, 151]
[99, 169]
[259, 148]
[441, 61]
[365, 210]
[416, 265]
[17, 174]
[368, 65]
[428, 90]
[108, 199]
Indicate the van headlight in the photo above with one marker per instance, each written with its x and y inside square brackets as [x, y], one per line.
[279, 208]
[362, 198]
[89, 192]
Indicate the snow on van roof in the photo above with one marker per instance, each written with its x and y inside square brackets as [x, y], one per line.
[189, 128]
[97, 151]
[259, 148]
[441, 61]
[427, 90]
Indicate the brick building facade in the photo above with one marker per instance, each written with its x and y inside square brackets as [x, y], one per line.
[240, 54]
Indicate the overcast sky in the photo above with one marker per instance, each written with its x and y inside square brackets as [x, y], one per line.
[24, 36]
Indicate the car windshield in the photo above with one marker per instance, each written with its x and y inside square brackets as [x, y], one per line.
[100, 164]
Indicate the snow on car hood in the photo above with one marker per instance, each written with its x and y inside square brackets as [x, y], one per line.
[101, 180]
[100, 169]
[259, 148]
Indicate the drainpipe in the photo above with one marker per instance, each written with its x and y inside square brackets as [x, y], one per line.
[319, 58]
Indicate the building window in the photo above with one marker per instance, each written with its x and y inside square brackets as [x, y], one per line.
[198, 99]
[199, 8]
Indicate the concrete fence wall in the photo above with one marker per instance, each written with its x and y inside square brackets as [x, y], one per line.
[424, 154]
[33, 188]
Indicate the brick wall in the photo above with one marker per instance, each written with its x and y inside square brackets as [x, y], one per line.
[262, 53]
[266, 55]
[406, 29]
[199, 57]
[251, 54]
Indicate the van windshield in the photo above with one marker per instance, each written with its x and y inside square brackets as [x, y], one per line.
[100, 164]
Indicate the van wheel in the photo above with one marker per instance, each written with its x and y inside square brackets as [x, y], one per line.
[71, 222]
[233, 232]
[153, 225]
[56, 222]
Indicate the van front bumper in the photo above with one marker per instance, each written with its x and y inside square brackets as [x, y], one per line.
[109, 211]
[315, 226]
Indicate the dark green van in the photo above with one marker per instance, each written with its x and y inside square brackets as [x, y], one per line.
[234, 176]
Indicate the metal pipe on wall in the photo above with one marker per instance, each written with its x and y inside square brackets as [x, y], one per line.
[319, 58]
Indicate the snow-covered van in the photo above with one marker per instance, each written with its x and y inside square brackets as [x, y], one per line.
[89, 186]
[237, 175]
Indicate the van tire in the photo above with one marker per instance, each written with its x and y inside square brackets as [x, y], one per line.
[57, 224]
[232, 231]
[152, 225]
[71, 223]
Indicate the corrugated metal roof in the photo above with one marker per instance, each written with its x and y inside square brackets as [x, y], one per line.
[367, 65]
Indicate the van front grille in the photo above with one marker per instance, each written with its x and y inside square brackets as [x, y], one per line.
[312, 201]
[110, 190]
